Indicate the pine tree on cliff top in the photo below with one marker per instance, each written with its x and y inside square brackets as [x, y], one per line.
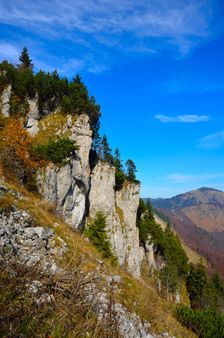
[25, 60]
[131, 170]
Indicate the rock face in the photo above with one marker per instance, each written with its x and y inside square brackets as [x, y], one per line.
[120, 209]
[78, 193]
[128, 324]
[5, 100]
[33, 118]
[67, 187]
[31, 244]
[82, 135]
[149, 251]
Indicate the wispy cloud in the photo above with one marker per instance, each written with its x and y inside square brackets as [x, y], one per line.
[8, 51]
[124, 25]
[212, 141]
[182, 118]
[188, 178]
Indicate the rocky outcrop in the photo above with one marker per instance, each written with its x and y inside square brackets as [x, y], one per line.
[81, 133]
[67, 187]
[21, 238]
[102, 196]
[127, 324]
[77, 193]
[5, 100]
[149, 252]
[120, 209]
[33, 117]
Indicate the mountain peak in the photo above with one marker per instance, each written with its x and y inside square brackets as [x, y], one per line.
[206, 189]
[203, 195]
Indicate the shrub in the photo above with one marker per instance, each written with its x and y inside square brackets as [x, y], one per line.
[15, 159]
[18, 106]
[55, 151]
[119, 179]
[97, 234]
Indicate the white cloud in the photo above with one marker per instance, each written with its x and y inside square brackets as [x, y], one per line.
[183, 24]
[9, 51]
[212, 141]
[182, 118]
[184, 178]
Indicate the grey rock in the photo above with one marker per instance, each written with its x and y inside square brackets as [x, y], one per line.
[29, 244]
[129, 324]
[32, 126]
[67, 187]
[120, 209]
[3, 189]
[5, 100]
[35, 286]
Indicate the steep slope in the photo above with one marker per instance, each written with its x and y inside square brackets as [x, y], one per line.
[31, 232]
[55, 185]
[198, 217]
[192, 255]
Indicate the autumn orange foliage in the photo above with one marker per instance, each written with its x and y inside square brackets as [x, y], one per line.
[15, 137]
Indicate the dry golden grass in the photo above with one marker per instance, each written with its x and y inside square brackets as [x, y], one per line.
[192, 255]
[51, 127]
[6, 201]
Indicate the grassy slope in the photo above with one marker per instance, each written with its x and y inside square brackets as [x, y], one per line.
[136, 295]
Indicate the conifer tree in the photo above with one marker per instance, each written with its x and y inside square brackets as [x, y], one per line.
[197, 283]
[97, 234]
[119, 173]
[117, 160]
[25, 60]
[131, 170]
[105, 151]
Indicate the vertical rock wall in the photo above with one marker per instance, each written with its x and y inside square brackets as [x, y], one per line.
[67, 187]
[75, 191]
[120, 209]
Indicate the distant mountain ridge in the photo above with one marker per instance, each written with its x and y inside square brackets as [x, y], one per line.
[198, 218]
[195, 197]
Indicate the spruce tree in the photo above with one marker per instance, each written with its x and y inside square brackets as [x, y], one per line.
[119, 173]
[25, 60]
[197, 283]
[105, 151]
[97, 234]
[117, 160]
[131, 170]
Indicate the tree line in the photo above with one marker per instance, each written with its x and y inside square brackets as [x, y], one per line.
[50, 90]
[166, 244]
[122, 172]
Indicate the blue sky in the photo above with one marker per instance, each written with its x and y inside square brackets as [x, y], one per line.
[156, 68]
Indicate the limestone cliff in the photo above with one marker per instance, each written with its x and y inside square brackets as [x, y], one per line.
[120, 208]
[79, 194]
[67, 187]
